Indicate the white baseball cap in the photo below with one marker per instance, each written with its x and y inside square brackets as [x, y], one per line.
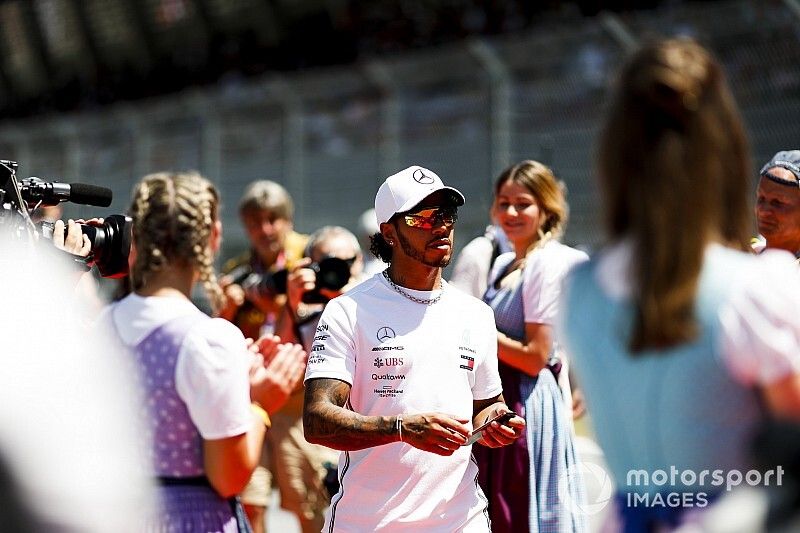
[402, 191]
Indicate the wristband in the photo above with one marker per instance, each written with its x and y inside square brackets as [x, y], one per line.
[400, 427]
[262, 414]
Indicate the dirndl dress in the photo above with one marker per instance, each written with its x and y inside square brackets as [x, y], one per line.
[187, 502]
[533, 485]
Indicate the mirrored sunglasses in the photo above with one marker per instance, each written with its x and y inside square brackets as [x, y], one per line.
[431, 217]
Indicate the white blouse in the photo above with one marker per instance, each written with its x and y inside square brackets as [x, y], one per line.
[760, 333]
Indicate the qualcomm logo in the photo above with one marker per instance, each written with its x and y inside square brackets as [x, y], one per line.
[599, 488]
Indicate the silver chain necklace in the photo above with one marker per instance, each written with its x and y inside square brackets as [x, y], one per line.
[396, 287]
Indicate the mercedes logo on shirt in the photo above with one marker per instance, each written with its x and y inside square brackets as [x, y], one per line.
[385, 333]
[422, 178]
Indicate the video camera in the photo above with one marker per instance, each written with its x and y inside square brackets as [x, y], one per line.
[110, 242]
[332, 273]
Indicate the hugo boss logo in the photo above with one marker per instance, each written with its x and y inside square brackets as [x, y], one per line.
[422, 178]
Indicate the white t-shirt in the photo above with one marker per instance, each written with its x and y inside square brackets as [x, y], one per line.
[472, 266]
[402, 357]
[760, 333]
[471, 269]
[212, 379]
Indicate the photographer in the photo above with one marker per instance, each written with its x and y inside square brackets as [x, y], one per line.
[253, 302]
[333, 263]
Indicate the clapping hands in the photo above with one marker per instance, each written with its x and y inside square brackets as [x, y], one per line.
[276, 370]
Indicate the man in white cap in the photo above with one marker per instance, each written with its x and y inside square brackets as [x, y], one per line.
[778, 203]
[402, 369]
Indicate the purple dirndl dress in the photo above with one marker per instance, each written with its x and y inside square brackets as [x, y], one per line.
[187, 503]
[522, 480]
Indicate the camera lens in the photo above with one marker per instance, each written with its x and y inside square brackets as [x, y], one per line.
[111, 245]
[332, 273]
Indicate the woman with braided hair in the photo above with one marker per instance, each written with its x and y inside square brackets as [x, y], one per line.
[682, 341]
[197, 374]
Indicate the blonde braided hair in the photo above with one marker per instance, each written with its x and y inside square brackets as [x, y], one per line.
[173, 216]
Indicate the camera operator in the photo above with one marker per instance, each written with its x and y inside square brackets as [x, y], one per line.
[333, 264]
[70, 238]
[252, 300]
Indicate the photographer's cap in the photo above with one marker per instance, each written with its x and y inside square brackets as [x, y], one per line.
[788, 159]
[402, 191]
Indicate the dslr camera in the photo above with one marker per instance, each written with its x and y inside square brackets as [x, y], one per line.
[332, 273]
[110, 242]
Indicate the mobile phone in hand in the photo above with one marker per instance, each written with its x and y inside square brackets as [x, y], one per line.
[477, 433]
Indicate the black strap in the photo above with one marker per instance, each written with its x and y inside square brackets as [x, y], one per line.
[194, 481]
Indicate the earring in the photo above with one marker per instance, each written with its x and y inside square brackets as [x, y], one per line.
[391, 243]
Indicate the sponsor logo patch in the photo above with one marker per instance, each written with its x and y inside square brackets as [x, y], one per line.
[388, 392]
[385, 333]
[388, 361]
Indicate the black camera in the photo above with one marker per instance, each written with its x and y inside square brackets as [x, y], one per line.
[332, 274]
[111, 242]
[266, 284]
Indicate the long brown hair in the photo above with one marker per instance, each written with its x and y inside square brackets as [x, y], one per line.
[674, 168]
[173, 215]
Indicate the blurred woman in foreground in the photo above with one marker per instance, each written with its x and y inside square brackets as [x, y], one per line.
[681, 340]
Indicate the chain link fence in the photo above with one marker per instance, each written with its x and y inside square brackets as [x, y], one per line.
[465, 111]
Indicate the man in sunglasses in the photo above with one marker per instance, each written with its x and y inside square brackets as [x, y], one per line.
[402, 368]
[778, 203]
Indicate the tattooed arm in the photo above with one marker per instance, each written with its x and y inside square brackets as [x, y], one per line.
[326, 421]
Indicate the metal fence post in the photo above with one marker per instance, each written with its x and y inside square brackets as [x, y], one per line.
[211, 135]
[500, 86]
[293, 141]
[619, 31]
[380, 75]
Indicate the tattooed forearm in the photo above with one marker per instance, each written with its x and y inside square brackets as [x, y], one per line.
[327, 421]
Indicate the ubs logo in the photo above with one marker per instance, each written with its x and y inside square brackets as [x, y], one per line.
[380, 362]
[422, 178]
[385, 333]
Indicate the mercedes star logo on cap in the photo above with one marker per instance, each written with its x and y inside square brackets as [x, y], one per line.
[422, 178]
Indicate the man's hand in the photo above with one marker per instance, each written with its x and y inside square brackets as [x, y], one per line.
[74, 242]
[283, 367]
[435, 432]
[497, 435]
[299, 281]
[234, 297]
